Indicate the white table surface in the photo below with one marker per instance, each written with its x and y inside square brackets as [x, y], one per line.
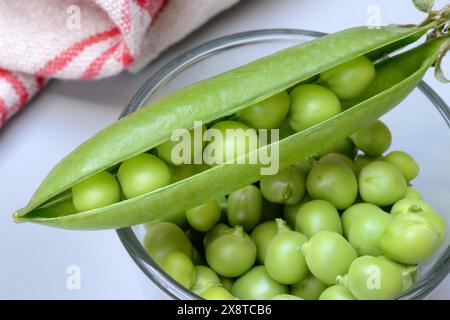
[34, 259]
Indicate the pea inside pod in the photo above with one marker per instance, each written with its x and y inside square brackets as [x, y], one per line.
[148, 128]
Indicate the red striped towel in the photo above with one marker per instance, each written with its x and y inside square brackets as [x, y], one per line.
[86, 39]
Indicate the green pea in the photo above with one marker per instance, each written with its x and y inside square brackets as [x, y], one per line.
[217, 293]
[412, 193]
[245, 207]
[268, 113]
[373, 139]
[256, 284]
[262, 235]
[420, 207]
[214, 233]
[336, 292]
[178, 266]
[95, 192]
[309, 288]
[371, 278]
[205, 279]
[349, 79]
[190, 141]
[317, 215]
[228, 140]
[232, 253]
[363, 160]
[164, 237]
[381, 183]
[366, 230]
[284, 260]
[203, 217]
[328, 255]
[337, 157]
[352, 212]
[410, 239]
[227, 283]
[437, 221]
[285, 296]
[285, 187]
[410, 205]
[290, 211]
[310, 105]
[334, 182]
[407, 272]
[403, 162]
[344, 146]
[304, 166]
[141, 174]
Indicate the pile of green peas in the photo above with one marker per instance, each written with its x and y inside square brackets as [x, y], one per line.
[343, 225]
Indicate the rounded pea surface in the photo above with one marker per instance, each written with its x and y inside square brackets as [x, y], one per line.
[262, 235]
[334, 182]
[328, 255]
[403, 162]
[205, 279]
[336, 292]
[371, 278]
[317, 215]
[256, 284]
[309, 288]
[310, 105]
[180, 268]
[366, 231]
[97, 191]
[381, 183]
[217, 293]
[409, 239]
[284, 260]
[373, 139]
[229, 140]
[202, 218]
[268, 113]
[245, 207]
[164, 237]
[349, 79]
[352, 212]
[141, 174]
[285, 187]
[232, 253]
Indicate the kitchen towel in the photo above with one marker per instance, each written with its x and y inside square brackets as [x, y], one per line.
[86, 39]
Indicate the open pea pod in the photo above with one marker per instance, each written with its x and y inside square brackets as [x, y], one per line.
[224, 95]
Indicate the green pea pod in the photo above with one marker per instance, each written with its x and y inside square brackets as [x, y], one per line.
[220, 96]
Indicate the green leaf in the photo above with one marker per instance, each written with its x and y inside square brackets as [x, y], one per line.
[424, 5]
[438, 72]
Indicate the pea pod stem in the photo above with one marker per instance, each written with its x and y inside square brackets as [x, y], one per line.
[281, 225]
[342, 280]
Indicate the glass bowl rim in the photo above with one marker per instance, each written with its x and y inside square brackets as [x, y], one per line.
[126, 235]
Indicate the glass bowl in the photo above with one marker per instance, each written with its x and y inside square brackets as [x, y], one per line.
[419, 125]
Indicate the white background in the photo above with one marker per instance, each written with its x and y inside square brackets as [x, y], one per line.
[34, 259]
